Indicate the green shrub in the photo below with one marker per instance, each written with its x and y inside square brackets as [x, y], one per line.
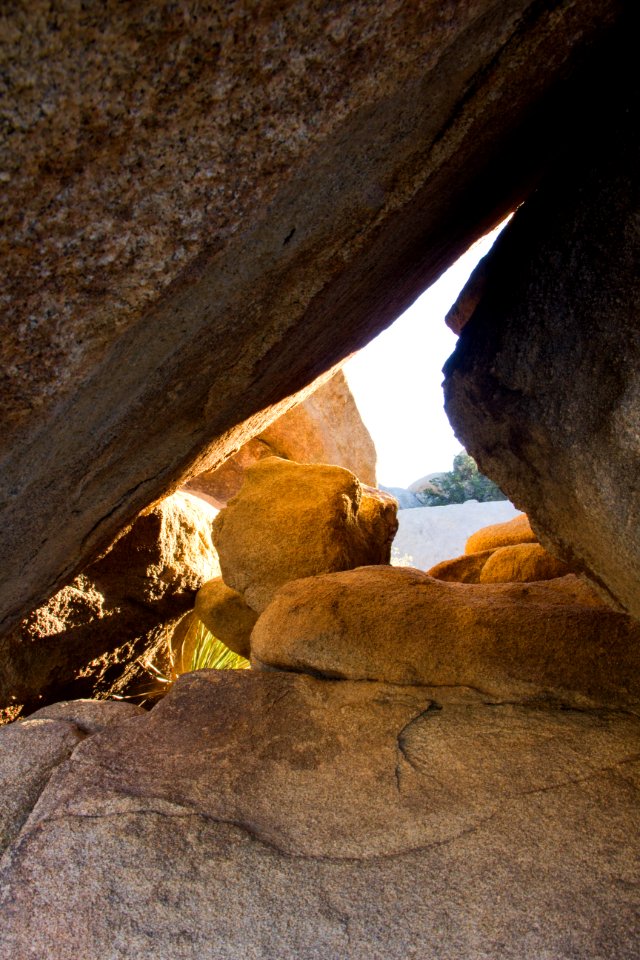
[464, 482]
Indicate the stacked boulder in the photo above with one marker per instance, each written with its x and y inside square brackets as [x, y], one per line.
[290, 521]
[307, 587]
[502, 553]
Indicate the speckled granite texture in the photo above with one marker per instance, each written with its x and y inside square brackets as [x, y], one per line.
[208, 205]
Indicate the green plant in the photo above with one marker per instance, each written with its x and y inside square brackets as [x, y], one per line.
[464, 482]
[209, 653]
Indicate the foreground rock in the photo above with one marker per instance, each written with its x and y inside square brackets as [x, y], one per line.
[325, 428]
[400, 625]
[252, 200]
[292, 520]
[90, 638]
[544, 385]
[31, 749]
[333, 820]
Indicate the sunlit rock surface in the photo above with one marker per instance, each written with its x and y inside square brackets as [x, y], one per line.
[325, 428]
[510, 640]
[294, 520]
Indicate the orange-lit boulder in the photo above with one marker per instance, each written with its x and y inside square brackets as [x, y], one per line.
[506, 534]
[464, 569]
[294, 520]
[522, 563]
[226, 615]
[400, 625]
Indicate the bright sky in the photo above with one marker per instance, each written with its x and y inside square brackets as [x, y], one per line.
[396, 380]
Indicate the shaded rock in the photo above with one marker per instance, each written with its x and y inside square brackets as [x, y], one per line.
[226, 615]
[295, 520]
[544, 385]
[505, 534]
[402, 626]
[464, 569]
[326, 427]
[333, 820]
[29, 751]
[89, 716]
[429, 535]
[188, 247]
[522, 563]
[89, 638]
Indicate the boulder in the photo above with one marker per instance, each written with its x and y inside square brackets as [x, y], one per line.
[325, 428]
[295, 520]
[429, 535]
[519, 563]
[544, 385]
[522, 563]
[273, 815]
[257, 195]
[464, 569]
[402, 626]
[226, 615]
[89, 639]
[505, 534]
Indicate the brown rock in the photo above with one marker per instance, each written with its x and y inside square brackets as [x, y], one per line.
[325, 428]
[226, 615]
[400, 625]
[295, 520]
[464, 569]
[89, 639]
[89, 716]
[522, 563]
[506, 534]
[29, 751]
[544, 385]
[255, 196]
[349, 820]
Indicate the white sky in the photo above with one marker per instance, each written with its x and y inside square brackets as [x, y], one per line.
[396, 380]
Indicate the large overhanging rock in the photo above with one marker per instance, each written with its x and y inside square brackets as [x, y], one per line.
[544, 386]
[208, 206]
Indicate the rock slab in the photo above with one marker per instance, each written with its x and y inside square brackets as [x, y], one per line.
[333, 820]
[542, 640]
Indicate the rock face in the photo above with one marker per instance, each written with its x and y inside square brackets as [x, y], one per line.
[508, 640]
[333, 820]
[226, 615]
[295, 520]
[88, 638]
[544, 385]
[325, 428]
[257, 195]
